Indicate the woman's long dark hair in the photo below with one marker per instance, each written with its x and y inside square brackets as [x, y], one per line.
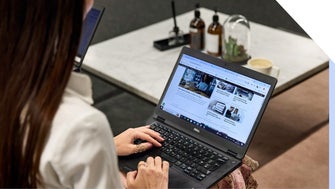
[38, 43]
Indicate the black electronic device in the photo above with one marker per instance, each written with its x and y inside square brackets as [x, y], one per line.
[163, 44]
[89, 27]
[208, 114]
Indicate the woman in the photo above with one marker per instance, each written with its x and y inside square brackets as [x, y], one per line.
[235, 115]
[50, 136]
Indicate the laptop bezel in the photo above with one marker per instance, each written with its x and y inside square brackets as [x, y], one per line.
[80, 57]
[199, 133]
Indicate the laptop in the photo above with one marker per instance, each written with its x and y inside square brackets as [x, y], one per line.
[90, 25]
[208, 114]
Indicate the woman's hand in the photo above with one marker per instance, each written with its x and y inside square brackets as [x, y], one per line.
[154, 173]
[125, 145]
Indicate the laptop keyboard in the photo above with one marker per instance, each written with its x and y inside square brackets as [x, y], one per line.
[189, 156]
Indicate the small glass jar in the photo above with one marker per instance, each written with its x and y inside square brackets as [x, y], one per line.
[236, 39]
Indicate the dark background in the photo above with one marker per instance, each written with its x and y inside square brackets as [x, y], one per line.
[122, 16]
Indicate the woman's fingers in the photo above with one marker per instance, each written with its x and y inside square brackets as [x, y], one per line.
[151, 162]
[152, 133]
[166, 167]
[149, 137]
[158, 162]
[138, 148]
[152, 173]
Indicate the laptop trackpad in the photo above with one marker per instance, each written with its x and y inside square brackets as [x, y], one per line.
[177, 180]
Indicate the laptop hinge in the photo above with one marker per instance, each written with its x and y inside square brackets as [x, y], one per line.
[160, 119]
[232, 153]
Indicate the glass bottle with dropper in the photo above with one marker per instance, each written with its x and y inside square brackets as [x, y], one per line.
[197, 30]
[214, 37]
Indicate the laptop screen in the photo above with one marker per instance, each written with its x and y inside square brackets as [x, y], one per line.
[217, 100]
[90, 25]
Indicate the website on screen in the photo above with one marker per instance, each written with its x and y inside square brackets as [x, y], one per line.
[216, 99]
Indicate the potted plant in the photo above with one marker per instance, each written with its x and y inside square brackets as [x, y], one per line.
[234, 52]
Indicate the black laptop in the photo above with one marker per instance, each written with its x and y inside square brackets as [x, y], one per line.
[90, 25]
[208, 114]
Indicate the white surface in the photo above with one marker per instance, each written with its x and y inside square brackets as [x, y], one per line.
[130, 61]
[316, 18]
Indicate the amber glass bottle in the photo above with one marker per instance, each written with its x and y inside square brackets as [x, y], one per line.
[214, 37]
[197, 31]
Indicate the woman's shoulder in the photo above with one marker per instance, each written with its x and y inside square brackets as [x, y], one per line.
[80, 135]
[76, 108]
[76, 120]
[76, 124]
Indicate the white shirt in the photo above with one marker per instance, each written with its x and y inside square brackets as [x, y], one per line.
[80, 151]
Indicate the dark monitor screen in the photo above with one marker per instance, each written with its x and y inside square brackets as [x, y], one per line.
[89, 27]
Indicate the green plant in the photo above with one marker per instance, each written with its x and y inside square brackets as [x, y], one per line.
[233, 51]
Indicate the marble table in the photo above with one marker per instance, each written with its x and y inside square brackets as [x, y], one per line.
[131, 62]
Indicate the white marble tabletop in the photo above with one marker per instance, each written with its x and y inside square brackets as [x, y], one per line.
[131, 62]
